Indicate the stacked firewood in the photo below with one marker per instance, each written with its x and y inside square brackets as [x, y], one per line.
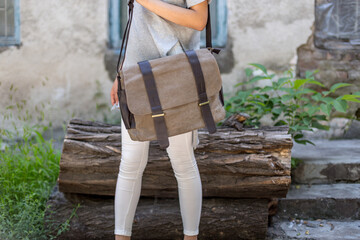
[243, 170]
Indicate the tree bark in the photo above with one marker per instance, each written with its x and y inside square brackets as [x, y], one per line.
[157, 218]
[247, 163]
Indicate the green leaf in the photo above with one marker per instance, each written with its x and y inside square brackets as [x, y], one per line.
[305, 91]
[317, 97]
[299, 82]
[327, 100]
[310, 74]
[339, 85]
[283, 81]
[325, 93]
[257, 103]
[280, 123]
[239, 84]
[288, 90]
[320, 117]
[286, 97]
[299, 135]
[318, 125]
[276, 110]
[325, 108]
[259, 66]
[312, 110]
[304, 141]
[267, 88]
[340, 105]
[248, 72]
[312, 81]
[257, 78]
[351, 98]
[264, 97]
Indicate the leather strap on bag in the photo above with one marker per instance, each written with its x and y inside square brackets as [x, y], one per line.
[126, 115]
[200, 85]
[157, 112]
[154, 100]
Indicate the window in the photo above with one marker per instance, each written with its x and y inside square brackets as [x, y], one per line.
[218, 14]
[118, 17]
[9, 22]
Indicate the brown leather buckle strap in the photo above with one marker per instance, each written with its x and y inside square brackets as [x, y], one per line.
[208, 30]
[201, 88]
[157, 113]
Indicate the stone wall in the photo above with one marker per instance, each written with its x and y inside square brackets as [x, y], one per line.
[333, 47]
[266, 32]
[64, 45]
[59, 60]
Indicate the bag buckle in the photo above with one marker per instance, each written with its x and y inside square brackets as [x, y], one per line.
[157, 115]
[215, 50]
[203, 103]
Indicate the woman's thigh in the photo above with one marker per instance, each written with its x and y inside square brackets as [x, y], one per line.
[134, 154]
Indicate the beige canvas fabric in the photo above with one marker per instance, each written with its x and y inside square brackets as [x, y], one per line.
[177, 92]
[152, 36]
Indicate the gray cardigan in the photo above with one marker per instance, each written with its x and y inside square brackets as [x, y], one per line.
[152, 36]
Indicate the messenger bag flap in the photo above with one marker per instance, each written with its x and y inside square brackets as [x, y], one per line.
[174, 80]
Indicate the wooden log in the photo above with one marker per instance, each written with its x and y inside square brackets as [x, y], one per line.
[245, 163]
[158, 218]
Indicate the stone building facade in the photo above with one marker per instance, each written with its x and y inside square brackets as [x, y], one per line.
[62, 63]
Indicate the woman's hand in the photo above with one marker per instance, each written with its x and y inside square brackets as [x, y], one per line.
[113, 93]
[195, 17]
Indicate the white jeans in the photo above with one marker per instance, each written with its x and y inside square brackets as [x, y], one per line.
[134, 158]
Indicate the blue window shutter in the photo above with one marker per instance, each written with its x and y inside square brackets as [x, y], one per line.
[117, 22]
[218, 24]
[114, 23]
[9, 22]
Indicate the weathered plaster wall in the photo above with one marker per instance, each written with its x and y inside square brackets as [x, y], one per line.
[266, 32]
[65, 42]
[62, 41]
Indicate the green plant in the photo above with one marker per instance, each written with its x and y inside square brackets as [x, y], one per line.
[289, 101]
[29, 167]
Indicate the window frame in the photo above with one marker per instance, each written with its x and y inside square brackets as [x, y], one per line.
[13, 40]
[115, 31]
[221, 25]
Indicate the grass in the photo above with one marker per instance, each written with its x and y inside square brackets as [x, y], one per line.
[29, 167]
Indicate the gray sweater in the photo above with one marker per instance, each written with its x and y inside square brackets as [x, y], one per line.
[152, 36]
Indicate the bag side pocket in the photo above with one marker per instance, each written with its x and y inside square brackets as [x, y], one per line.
[126, 115]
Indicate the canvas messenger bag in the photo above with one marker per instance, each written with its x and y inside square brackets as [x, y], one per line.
[171, 95]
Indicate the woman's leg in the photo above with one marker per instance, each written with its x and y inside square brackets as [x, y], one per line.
[187, 174]
[134, 156]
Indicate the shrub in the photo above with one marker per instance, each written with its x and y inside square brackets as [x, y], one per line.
[289, 101]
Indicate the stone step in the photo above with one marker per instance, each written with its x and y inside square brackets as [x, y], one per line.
[319, 229]
[330, 161]
[333, 201]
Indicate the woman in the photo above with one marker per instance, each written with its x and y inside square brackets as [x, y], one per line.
[160, 28]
